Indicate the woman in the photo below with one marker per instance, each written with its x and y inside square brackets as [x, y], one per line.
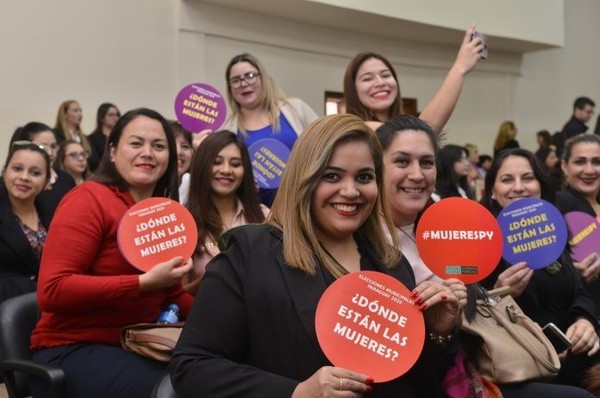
[505, 139]
[89, 292]
[581, 167]
[547, 156]
[554, 294]
[260, 110]
[60, 181]
[106, 118]
[185, 150]
[24, 220]
[409, 155]
[68, 127]
[222, 196]
[372, 91]
[453, 168]
[325, 223]
[72, 158]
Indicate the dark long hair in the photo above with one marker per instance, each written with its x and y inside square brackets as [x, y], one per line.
[447, 179]
[353, 104]
[200, 204]
[548, 192]
[101, 114]
[107, 173]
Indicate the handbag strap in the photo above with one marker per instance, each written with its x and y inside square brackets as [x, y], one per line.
[553, 365]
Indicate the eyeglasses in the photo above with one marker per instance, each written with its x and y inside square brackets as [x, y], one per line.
[249, 78]
[77, 155]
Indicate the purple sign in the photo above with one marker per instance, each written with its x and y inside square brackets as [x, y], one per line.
[200, 107]
[584, 234]
[268, 157]
[534, 231]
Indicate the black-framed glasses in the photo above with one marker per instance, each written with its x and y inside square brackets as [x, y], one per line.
[77, 155]
[249, 78]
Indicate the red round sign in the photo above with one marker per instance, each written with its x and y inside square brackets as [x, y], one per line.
[459, 238]
[155, 230]
[367, 322]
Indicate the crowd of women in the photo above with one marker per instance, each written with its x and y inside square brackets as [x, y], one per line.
[349, 201]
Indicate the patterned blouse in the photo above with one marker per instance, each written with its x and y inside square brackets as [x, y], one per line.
[36, 239]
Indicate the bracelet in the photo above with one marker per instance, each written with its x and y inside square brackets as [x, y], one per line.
[440, 340]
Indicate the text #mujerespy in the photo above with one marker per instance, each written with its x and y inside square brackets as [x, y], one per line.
[458, 234]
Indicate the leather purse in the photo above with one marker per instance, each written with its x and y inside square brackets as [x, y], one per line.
[505, 345]
[152, 340]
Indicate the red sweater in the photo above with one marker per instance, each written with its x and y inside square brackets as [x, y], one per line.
[87, 291]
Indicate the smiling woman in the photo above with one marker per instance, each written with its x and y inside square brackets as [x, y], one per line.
[23, 220]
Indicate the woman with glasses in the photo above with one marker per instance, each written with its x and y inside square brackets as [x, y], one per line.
[259, 109]
[24, 219]
[106, 118]
[372, 91]
[72, 158]
[60, 181]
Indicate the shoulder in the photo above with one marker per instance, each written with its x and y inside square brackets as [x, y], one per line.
[251, 236]
[299, 106]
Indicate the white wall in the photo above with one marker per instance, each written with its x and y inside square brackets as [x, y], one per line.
[141, 52]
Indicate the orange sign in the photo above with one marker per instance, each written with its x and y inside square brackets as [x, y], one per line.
[459, 238]
[155, 230]
[367, 322]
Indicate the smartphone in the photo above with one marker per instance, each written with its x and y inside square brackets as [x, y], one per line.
[558, 339]
[484, 53]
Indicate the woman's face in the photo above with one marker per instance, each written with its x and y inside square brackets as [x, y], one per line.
[346, 193]
[551, 159]
[47, 139]
[75, 161]
[462, 167]
[515, 180]
[142, 155]
[111, 117]
[582, 171]
[376, 87]
[409, 175]
[25, 175]
[74, 114]
[184, 154]
[227, 172]
[247, 92]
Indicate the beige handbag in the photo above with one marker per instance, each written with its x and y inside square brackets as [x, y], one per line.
[512, 348]
[152, 340]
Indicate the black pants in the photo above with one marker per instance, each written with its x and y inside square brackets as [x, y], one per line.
[97, 370]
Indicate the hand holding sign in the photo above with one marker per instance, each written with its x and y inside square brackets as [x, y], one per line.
[367, 322]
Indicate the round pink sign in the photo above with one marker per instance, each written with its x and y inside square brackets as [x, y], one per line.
[200, 107]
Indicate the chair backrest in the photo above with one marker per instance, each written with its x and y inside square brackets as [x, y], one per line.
[18, 317]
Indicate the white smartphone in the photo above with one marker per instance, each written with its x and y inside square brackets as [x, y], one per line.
[558, 339]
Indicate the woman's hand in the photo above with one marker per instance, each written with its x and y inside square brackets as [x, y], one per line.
[197, 138]
[517, 277]
[165, 274]
[331, 381]
[459, 289]
[583, 337]
[439, 305]
[588, 268]
[469, 52]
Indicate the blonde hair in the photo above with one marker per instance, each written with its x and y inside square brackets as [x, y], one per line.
[291, 211]
[506, 132]
[271, 97]
[61, 123]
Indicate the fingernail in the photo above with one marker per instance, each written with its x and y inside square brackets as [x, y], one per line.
[369, 389]
[369, 380]
[444, 297]
[418, 300]
[414, 294]
[423, 307]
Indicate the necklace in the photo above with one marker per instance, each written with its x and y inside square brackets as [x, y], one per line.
[407, 235]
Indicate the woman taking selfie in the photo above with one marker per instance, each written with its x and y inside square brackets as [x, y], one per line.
[325, 223]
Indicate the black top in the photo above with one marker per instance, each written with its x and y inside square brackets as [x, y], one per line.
[251, 330]
[63, 184]
[98, 143]
[18, 263]
[573, 127]
[509, 145]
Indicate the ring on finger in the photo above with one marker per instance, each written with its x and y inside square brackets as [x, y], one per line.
[341, 387]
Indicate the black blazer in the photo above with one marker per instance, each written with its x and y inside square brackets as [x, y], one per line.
[251, 330]
[570, 200]
[18, 265]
